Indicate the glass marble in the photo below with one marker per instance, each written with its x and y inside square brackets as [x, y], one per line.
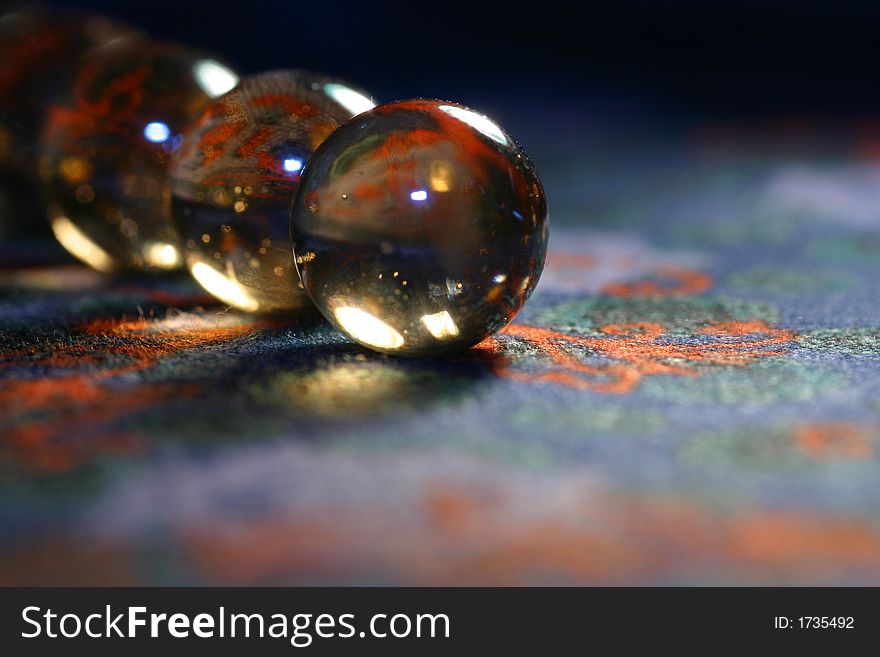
[420, 228]
[107, 145]
[39, 51]
[235, 175]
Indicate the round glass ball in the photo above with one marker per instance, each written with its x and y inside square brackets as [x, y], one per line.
[106, 147]
[39, 52]
[236, 173]
[420, 227]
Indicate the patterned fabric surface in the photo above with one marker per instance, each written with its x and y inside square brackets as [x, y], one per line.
[692, 396]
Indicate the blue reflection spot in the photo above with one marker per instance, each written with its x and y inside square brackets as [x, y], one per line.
[157, 132]
[517, 215]
[419, 195]
[292, 164]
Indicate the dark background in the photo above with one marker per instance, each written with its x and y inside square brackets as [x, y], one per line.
[705, 59]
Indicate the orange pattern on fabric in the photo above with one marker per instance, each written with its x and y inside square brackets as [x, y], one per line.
[594, 537]
[637, 350]
[836, 440]
[567, 260]
[62, 561]
[59, 403]
[674, 281]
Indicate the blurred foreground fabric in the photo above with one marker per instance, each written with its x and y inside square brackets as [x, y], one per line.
[692, 396]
